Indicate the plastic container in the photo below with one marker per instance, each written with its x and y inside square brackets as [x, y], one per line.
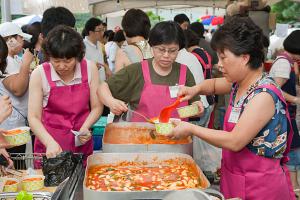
[18, 136]
[33, 182]
[163, 128]
[97, 139]
[99, 126]
[98, 131]
[188, 111]
[11, 187]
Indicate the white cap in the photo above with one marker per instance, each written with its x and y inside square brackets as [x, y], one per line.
[9, 28]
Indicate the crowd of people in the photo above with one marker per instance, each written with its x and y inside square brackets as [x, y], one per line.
[58, 81]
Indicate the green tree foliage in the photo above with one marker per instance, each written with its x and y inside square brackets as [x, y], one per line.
[154, 18]
[81, 19]
[287, 11]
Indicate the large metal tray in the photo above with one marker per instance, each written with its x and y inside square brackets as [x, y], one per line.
[131, 133]
[115, 158]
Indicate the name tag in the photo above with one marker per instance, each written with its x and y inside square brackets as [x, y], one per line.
[174, 91]
[234, 115]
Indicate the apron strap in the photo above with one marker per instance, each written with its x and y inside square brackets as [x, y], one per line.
[47, 70]
[146, 72]
[182, 74]
[84, 74]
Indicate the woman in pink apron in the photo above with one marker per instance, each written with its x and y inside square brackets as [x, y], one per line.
[152, 84]
[62, 96]
[257, 131]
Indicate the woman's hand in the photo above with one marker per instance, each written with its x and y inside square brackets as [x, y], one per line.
[85, 135]
[200, 107]
[181, 129]
[10, 162]
[27, 58]
[5, 108]
[117, 107]
[187, 93]
[53, 149]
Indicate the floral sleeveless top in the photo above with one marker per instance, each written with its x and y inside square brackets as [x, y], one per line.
[271, 140]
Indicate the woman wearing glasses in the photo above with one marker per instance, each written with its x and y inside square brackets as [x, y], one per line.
[148, 86]
[257, 132]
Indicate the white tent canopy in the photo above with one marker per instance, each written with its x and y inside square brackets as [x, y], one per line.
[99, 7]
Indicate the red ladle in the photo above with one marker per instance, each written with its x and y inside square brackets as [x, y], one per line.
[166, 112]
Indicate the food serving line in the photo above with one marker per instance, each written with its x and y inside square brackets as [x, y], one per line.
[131, 142]
[133, 153]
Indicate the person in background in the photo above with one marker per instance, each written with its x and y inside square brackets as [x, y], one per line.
[93, 33]
[108, 36]
[119, 38]
[182, 20]
[15, 79]
[109, 43]
[192, 46]
[254, 144]
[283, 72]
[105, 26]
[146, 86]
[35, 44]
[5, 101]
[136, 26]
[198, 28]
[112, 48]
[53, 17]
[62, 96]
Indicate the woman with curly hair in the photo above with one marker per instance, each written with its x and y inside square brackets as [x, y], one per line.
[257, 131]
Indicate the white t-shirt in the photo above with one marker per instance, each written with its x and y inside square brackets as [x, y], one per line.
[188, 59]
[111, 51]
[59, 82]
[94, 53]
[20, 103]
[13, 65]
[281, 69]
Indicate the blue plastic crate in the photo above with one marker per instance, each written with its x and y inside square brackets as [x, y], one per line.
[97, 142]
[98, 130]
[99, 127]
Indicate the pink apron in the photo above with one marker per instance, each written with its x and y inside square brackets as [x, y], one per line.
[155, 97]
[249, 176]
[67, 109]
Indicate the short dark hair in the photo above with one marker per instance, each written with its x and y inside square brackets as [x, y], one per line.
[119, 36]
[198, 28]
[241, 35]
[191, 38]
[136, 23]
[56, 16]
[90, 25]
[64, 42]
[34, 30]
[167, 32]
[3, 56]
[181, 18]
[109, 34]
[292, 43]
